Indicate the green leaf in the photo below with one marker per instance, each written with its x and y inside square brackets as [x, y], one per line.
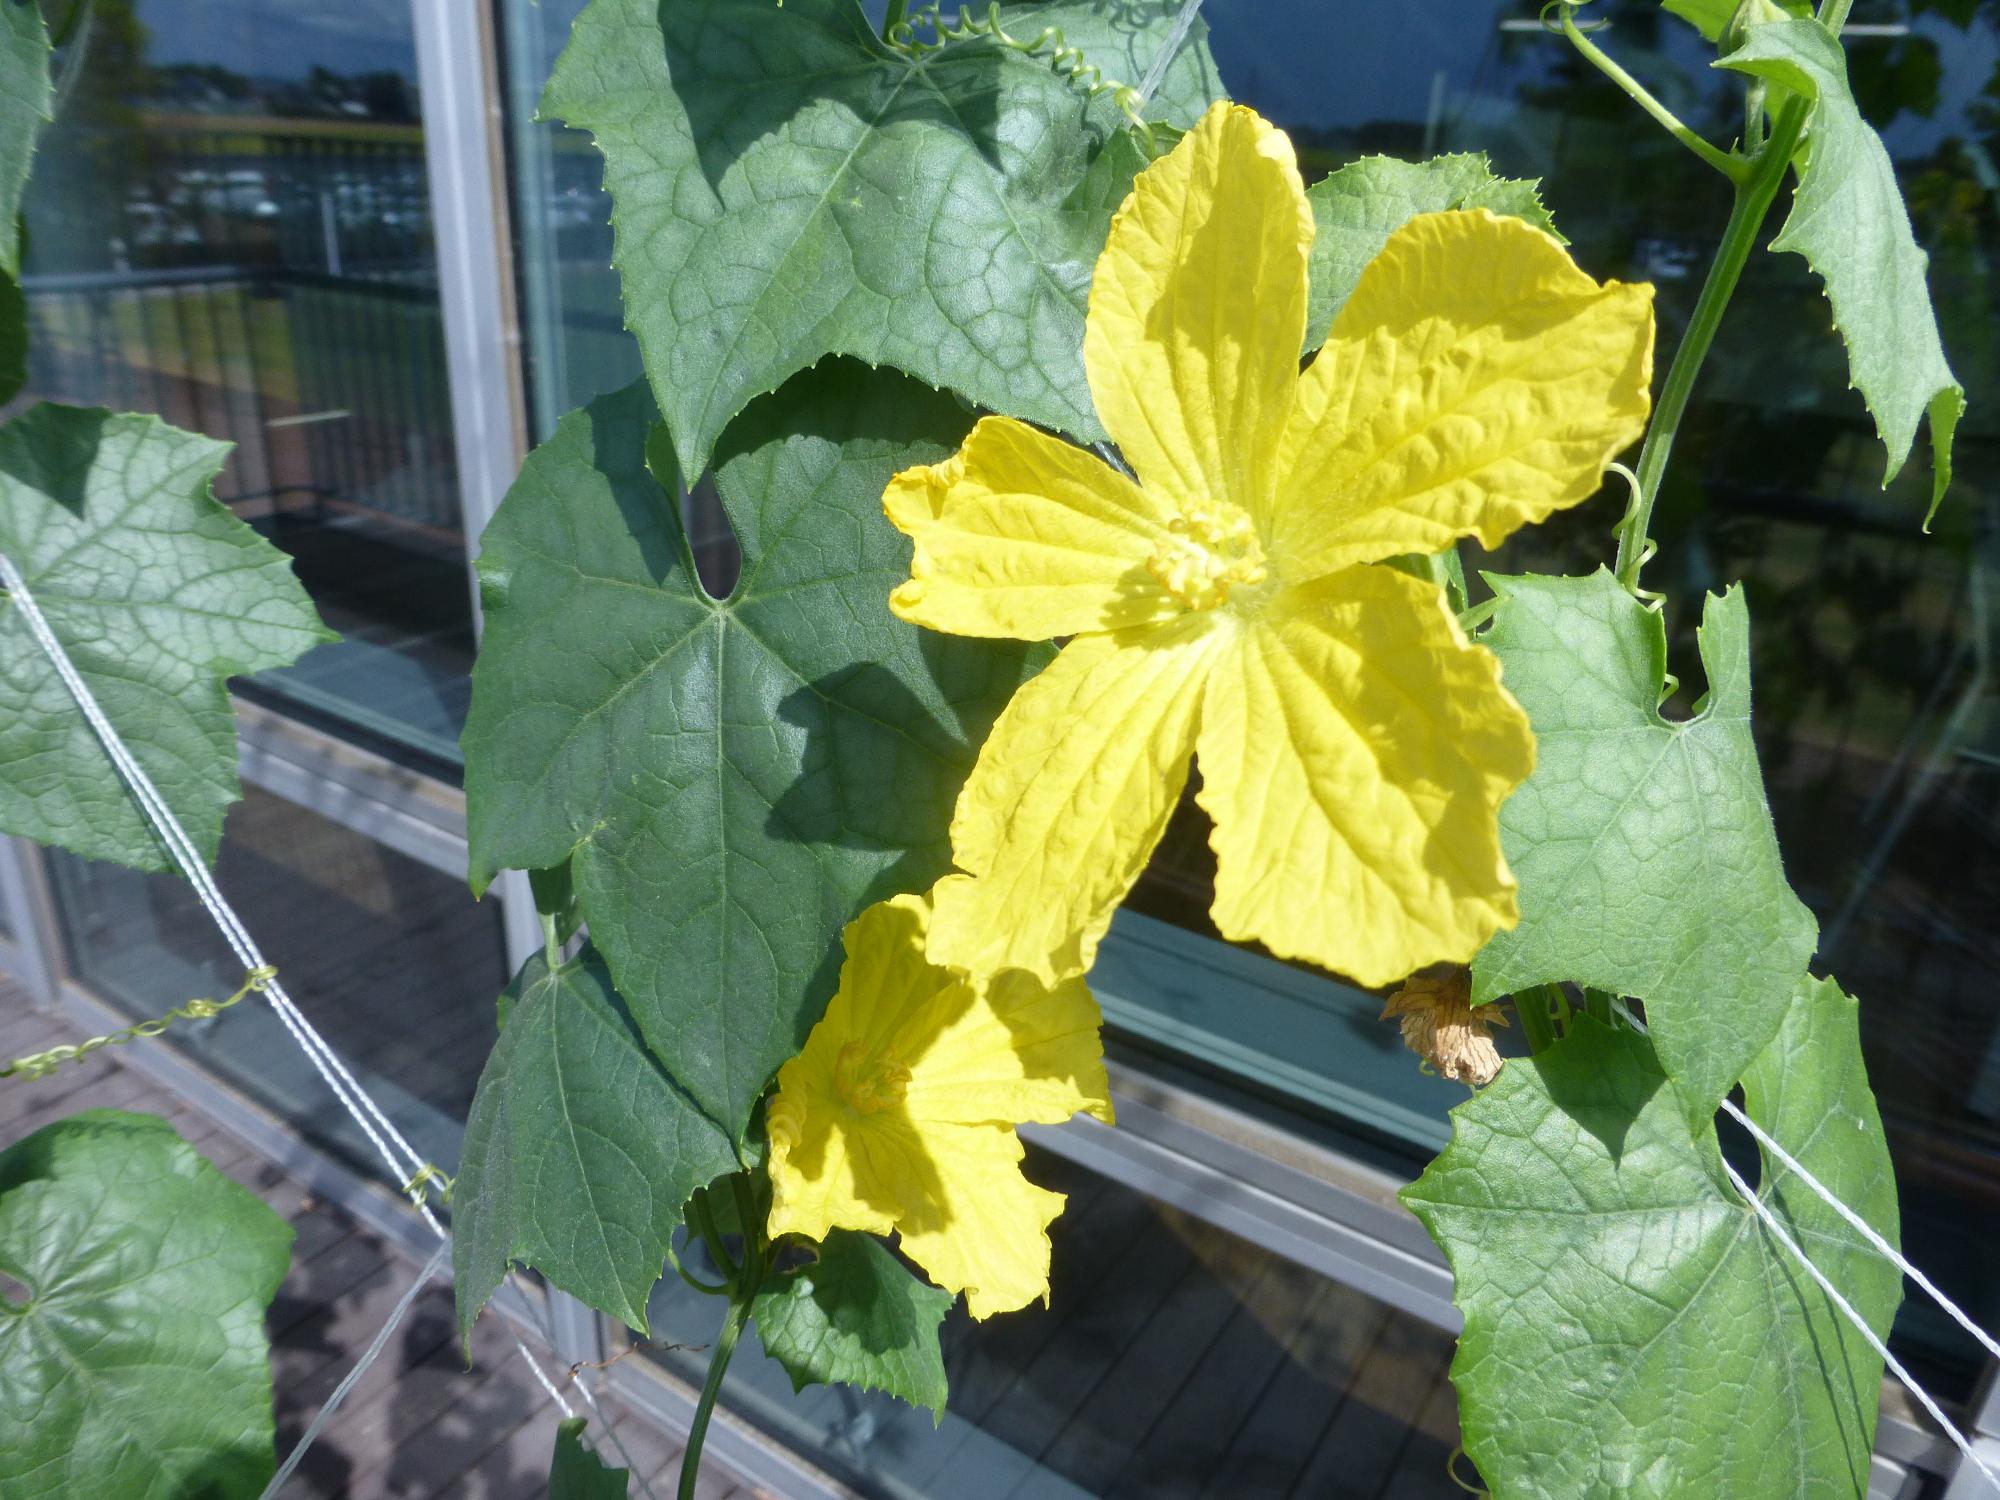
[137, 1366]
[25, 106]
[580, 1151]
[1644, 848]
[1357, 208]
[575, 1473]
[1712, 18]
[1849, 222]
[1631, 1327]
[157, 593]
[730, 781]
[1120, 39]
[857, 1314]
[1709, 17]
[788, 186]
[555, 900]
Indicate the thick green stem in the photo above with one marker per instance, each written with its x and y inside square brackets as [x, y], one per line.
[1734, 168]
[897, 13]
[1833, 14]
[1532, 1007]
[718, 1366]
[1754, 195]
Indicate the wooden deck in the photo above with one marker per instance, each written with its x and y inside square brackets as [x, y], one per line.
[420, 1424]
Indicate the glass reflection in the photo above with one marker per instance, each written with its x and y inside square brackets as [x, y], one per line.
[229, 225]
[392, 960]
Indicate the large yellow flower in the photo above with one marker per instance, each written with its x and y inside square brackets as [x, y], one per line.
[900, 1112]
[1354, 746]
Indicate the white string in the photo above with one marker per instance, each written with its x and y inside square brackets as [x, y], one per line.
[1169, 49]
[1861, 1226]
[353, 1097]
[1770, 1218]
[374, 1352]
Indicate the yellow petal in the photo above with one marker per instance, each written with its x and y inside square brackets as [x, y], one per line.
[904, 1047]
[1197, 312]
[1071, 791]
[1020, 535]
[1476, 381]
[1355, 749]
[1017, 1051]
[820, 1179]
[986, 1231]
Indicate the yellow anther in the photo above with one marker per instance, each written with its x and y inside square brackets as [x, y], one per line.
[1208, 553]
[869, 1082]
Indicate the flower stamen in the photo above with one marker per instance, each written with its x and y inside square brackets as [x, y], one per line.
[1208, 553]
[870, 1083]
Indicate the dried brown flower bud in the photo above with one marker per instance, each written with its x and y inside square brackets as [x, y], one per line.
[1443, 1027]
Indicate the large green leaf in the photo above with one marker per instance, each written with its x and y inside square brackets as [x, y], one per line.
[857, 1315]
[1631, 1327]
[788, 186]
[575, 1473]
[24, 108]
[1849, 222]
[580, 1152]
[1644, 848]
[1357, 208]
[730, 781]
[137, 1365]
[157, 593]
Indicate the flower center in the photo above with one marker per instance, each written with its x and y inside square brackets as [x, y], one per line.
[869, 1084]
[1209, 552]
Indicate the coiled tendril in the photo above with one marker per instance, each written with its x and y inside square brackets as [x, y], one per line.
[1069, 62]
[1554, 26]
[41, 1064]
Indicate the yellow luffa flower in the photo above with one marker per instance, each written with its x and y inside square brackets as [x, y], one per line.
[1354, 746]
[900, 1112]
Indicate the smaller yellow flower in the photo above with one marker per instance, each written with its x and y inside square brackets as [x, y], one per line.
[899, 1115]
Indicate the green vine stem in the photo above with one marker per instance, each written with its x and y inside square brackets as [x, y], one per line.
[1533, 1008]
[1735, 168]
[1754, 195]
[744, 1280]
[898, 13]
[718, 1365]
